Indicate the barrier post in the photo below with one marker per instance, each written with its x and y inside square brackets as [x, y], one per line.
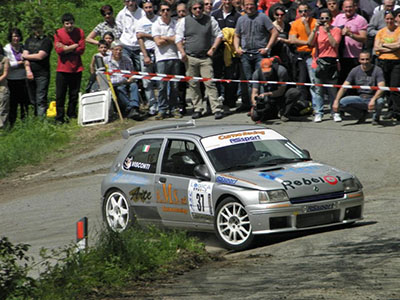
[82, 234]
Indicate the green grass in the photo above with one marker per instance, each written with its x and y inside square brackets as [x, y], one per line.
[30, 141]
[115, 262]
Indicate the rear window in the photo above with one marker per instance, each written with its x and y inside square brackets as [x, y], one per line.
[143, 156]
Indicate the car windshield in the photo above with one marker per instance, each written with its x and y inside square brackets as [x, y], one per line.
[253, 153]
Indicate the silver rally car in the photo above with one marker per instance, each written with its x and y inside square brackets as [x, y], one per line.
[236, 180]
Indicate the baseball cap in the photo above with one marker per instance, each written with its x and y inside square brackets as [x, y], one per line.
[266, 65]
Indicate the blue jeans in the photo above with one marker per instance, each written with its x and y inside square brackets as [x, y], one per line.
[250, 63]
[134, 55]
[149, 85]
[356, 106]
[169, 66]
[319, 93]
[128, 96]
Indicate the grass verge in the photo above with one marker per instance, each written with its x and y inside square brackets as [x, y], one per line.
[30, 141]
[115, 262]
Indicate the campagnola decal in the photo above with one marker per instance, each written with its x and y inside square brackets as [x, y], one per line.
[332, 180]
[225, 180]
[277, 174]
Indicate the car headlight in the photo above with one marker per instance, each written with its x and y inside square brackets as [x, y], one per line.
[265, 197]
[351, 185]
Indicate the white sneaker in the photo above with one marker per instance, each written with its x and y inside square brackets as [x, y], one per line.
[317, 118]
[337, 117]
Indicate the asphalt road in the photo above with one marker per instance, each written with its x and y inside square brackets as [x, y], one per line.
[359, 262]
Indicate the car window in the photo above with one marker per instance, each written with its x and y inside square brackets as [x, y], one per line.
[143, 156]
[180, 158]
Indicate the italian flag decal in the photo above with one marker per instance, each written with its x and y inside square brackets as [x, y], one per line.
[146, 148]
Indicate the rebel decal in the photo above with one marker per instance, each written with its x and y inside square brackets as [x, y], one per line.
[293, 184]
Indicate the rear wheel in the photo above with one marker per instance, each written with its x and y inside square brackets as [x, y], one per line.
[116, 211]
[232, 225]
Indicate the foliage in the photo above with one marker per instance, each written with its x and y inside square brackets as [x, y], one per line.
[29, 141]
[19, 13]
[14, 267]
[111, 264]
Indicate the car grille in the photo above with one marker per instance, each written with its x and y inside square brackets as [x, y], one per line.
[320, 218]
[314, 198]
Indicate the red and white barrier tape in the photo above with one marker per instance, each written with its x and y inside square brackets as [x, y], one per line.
[166, 77]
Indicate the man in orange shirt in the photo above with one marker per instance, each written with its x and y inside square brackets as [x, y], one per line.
[298, 35]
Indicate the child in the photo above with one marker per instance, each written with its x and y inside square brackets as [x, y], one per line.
[103, 51]
[109, 38]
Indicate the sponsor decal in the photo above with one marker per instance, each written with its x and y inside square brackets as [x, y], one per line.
[140, 165]
[130, 163]
[170, 196]
[200, 197]
[138, 194]
[293, 184]
[223, 140]
[174, 209]
[314, 208]
[245, 139]
[225, 180]
[301, 170]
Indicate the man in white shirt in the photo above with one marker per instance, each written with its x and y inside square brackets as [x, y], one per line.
[167, 59]
[127, 20]
[147, 59]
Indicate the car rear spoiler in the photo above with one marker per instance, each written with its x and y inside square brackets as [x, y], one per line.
[134, 130]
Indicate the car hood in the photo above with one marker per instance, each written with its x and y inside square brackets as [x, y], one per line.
[298, 179]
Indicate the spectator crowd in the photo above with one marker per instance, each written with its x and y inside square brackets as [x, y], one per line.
[346, 42]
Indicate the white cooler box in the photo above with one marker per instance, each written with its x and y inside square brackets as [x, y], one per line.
[94, 108]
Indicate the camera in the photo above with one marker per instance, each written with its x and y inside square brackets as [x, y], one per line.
[321, 22]
[260, 103]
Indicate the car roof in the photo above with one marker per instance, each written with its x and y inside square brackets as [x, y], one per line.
[210, 130]
[190, 129]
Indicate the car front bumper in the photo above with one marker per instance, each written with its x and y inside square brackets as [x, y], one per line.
[282, 217]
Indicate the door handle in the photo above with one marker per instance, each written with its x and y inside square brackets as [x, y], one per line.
[162, 180]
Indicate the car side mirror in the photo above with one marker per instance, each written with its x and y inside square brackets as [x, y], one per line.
[307, 153]
[201, 172]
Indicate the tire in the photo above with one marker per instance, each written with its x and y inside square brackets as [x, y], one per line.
[117, 213]
[232, 225]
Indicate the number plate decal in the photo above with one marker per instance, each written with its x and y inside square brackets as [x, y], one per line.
[200, 197]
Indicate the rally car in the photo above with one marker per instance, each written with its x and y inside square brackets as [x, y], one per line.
[236, 180]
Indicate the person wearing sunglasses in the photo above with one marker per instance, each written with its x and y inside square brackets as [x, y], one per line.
[109, 25]
[127, 20]
[208, 4]
[202, 37]
[354, 35]
[147, 58]
[167, 60]
[387, 47]
[325, 39]
[290, 10]
[298, 35]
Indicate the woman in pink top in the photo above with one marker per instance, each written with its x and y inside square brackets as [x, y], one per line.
[326, 40]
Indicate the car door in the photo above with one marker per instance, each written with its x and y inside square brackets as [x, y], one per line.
[138, 177]
[180, 196]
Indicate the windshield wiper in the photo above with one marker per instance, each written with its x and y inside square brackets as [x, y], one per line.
[284, 160]
[239, 167]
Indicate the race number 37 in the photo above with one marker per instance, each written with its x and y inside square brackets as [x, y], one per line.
[199, 196]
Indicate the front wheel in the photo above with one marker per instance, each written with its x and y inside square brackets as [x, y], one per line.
[232, 225]
[116, 211]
